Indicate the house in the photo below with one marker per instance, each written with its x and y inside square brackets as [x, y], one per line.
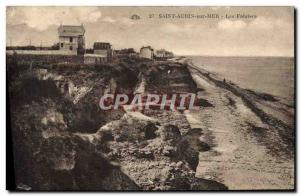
[163, 54]
[94, 59]
[126, 52]
[71, 38]
[147, 52]
[103, 48]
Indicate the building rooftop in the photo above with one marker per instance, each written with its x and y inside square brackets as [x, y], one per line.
[149, 47]
[71, 30]
[101, 45]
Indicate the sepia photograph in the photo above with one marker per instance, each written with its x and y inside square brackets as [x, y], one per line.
[157, 98]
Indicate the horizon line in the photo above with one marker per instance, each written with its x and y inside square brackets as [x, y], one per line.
[196, 55]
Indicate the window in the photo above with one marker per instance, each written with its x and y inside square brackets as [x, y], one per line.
[61, 45]
[71, 39]
[71, 47]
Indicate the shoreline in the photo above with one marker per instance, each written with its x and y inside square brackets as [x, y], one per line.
[238, 127]
[262, 106]
[241, 92]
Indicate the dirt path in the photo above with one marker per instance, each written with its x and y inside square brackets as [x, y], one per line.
[238, 157]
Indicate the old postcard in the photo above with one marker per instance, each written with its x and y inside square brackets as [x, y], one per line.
[150, 98]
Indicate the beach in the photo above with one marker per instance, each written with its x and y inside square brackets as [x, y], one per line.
[252, 144]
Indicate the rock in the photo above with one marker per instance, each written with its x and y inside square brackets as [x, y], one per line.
[202, 184]
[179, 164]
[106, 136]
[144, 154]
[170, 133]
[168, 151]
[173, 164]
[149, 131]
[133, 127]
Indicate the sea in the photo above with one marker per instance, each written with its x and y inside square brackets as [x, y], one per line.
[272, 75]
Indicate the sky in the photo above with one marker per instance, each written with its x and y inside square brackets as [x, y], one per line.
[268, 32]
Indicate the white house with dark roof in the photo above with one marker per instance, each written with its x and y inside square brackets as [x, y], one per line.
[103, 48]
[71, 38]
[147, 52]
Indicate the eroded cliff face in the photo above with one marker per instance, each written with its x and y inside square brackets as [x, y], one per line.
[156, 156]
[62, 140]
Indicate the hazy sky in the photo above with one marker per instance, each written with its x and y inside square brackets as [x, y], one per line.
[271, 33]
